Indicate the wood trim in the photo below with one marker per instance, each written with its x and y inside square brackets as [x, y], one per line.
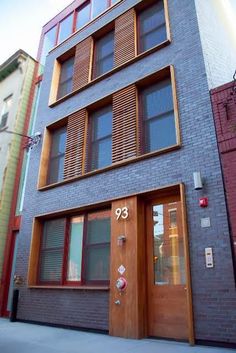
[126, 319]
[167, 20]
[124, 124]
[187, 267]
[82, 63]
[44, 160]
[175, 104]
[124, 46]
[34, 252]
[55, 82]
[75, 144]
[91, 61]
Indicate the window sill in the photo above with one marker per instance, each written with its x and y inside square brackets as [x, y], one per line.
[105, 288]
[113, 166]
[111, 72]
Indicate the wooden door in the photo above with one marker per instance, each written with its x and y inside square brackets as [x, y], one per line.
[166, 276]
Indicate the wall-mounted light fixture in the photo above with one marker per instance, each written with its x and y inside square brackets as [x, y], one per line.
[197, 179]
[32, 141]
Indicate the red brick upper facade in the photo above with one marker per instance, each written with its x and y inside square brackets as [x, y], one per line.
[224, 110]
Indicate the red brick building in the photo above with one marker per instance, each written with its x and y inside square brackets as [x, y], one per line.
[224, 110]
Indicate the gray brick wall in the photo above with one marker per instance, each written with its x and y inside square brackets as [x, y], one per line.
[213, 289]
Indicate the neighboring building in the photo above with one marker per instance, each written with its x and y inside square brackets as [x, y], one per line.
[224, 110]
[126, 116]
[16, 77]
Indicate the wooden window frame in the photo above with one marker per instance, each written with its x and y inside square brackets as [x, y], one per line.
[46, 151]
[142, 7]
[36, 251]
[145, 83]
[94, 62]
[88, 153]
[53, 95]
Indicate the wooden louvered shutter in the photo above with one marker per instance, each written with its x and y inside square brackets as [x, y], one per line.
[124, 128]
[82, 63]
[125, 38]
[75, 144]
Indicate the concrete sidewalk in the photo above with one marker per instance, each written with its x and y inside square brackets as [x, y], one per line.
[26, 338]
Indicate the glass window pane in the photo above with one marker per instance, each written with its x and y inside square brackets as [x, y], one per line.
[83, 15]
[168, 249]
[114, 1]
[65, 28]
[66, 78]
[152, 26]
[157, 99]
[102, 123]
[98, 7]
[75, 249]
[101, 154]
[101, 141]
[58, 142]
[97, 263]
[56, 163]
[104, 54]
[160, 132]
[56, 169]
[151, 39]
[48, 43]
[99, 227]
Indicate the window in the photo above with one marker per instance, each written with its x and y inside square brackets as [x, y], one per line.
[5, 111]
[83, 15]
[57, 155]
[65, 28]
[157, 115]
[49, 42]
[151, 24]
[104, 54]
[66, 78]
[100, 138]
[86, 258]
[98, 6]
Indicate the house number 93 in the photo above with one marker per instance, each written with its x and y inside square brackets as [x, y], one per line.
[122, 213]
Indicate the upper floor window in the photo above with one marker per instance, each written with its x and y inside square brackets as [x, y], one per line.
[66, 77]
[5, 111]
[104, 54]
[65, 28]
[76, 20]
[83, 15]
[157, 112]
[76, 249]
[100, 138]
[57, 155]
[49, 41]
[98, 6]
[152, 28]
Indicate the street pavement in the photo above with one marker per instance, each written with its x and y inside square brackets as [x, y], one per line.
[17, 337]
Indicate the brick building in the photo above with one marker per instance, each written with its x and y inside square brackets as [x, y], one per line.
[113, 237]
[224, 110]
[16, 82]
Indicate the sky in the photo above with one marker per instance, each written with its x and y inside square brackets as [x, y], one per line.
[21, 22]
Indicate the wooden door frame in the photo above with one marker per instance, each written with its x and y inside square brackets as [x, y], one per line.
[181, 194]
